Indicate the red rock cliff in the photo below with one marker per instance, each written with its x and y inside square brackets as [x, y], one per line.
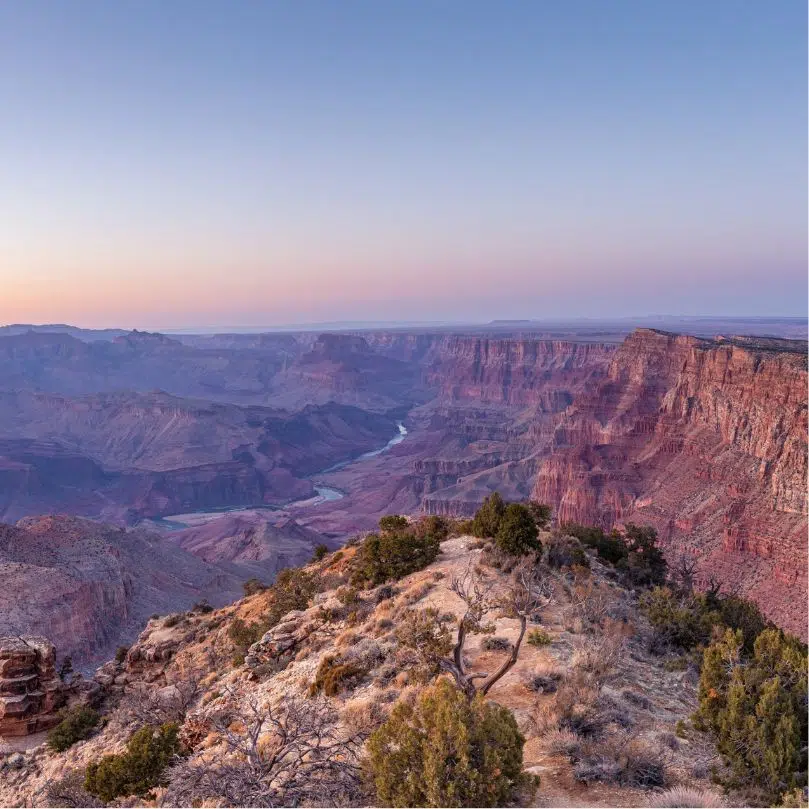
[705, 440]
[514, 371]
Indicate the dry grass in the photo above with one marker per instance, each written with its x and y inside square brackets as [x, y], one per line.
[620, 759]
[687, 797]
[563, 743]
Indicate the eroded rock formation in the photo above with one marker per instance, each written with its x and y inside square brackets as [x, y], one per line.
[31, 691]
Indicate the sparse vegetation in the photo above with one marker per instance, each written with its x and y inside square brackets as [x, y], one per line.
[293, 589]
[320, 552]
[139, 769]
[335, 675]
[539, 637]
[447, 751]
[121, 653]
[284, 755]
[77, 724]
[253, 586]
[679, 797]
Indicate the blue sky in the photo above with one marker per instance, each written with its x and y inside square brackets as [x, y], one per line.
[175, 164]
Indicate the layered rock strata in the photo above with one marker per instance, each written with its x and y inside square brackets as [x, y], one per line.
[31, 692]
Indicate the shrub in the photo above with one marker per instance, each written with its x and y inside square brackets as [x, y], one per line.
[680, 621]
[645, 564]
[631, 763]
[486, 522]
[447, 751]
[392, 555]
[121, 653]
[756, 709]
[293, 589]
[687, 797]
[253, 586]
[202, 607]
[393, 522]
[423, 632]
[610, 547]
[541, 512]
[76, 724]
[432, 525]
[563, 743]
[172, 620]
[69, 791]
[139, 769]
[347, 595]
[539, 637]
[495, 644]
[320, 552]
[243, 637]
[334, 675]
[517, 532]
[566, 552]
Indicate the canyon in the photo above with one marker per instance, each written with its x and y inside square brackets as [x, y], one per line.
[702, 437]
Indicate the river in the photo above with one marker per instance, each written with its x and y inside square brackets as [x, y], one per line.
[323, 494]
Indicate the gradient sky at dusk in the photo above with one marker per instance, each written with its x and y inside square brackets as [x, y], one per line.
[183, 164]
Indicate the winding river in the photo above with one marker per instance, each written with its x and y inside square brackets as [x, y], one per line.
[323, 494]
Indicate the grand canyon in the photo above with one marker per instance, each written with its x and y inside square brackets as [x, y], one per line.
[233, 456]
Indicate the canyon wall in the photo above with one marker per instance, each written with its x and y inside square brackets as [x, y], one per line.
[90, 587]
[705, 440]
[513, 371]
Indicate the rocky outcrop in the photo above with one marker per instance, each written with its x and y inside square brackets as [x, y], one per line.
[705, 440]
[90, 587]
[31, 692]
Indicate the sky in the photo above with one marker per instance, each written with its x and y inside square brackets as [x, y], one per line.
[197, 163]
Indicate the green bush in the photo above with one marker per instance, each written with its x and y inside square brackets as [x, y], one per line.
[678, 621]
[645, 564]
[293, 589]
[538, 637]
[139, 769]
[688, 620]
[610, 547]
[76, 724]
[517, 532]
[540, 512]
[486, 521]
[121, 653]
[392, 555]
[566, 551]
[393, 522]
[244, 636]
[320, 552]
[756, 708]
[447, 751]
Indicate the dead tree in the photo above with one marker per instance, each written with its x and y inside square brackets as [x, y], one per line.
[527, 593]
[287, 755]
[684, 573]
[148, 705]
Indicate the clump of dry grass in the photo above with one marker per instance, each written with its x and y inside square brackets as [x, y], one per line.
[684, 796]
[620, 759]
[417, 592]
[363, 715]
[563, 742]
[545, 678]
